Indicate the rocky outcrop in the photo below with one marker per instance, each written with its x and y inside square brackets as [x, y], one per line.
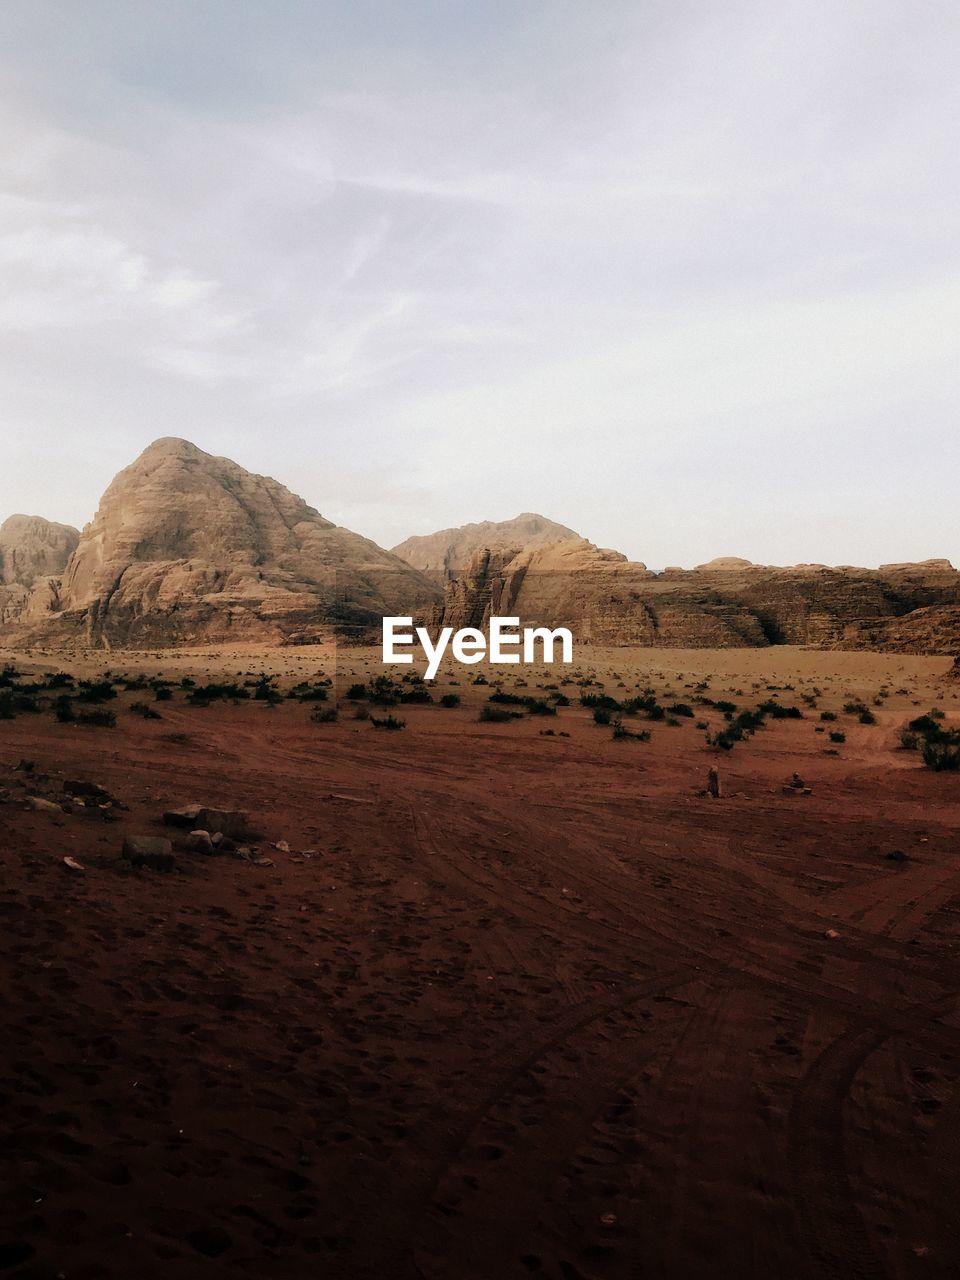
[187, 547]
[33, 553]
[729, 602]
[32, 548]
[451, 551]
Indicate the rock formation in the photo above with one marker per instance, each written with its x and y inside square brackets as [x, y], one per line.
[187, 547]
[33, 553]
[606, 599]
[451, 551]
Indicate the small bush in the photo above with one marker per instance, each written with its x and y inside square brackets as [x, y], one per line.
[388, 722]
[144, 709]
[943, 753]
[99, 719]
[323, 715]
[498, 715]
[601, 715]
[836, 735]
[450, 700]
[357, 692]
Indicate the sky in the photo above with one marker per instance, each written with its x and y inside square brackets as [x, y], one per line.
[682, 275]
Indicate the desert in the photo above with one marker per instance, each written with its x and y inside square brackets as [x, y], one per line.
[480, 997]
[479, 640]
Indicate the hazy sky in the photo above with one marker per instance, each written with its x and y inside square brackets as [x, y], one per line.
[685, 276]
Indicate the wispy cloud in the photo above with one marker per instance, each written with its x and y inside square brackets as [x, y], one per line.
[643, 266]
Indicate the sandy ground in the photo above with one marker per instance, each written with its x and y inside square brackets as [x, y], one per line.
[511, 1006]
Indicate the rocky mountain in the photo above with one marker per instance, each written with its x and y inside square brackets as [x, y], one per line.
[451, 550]
[31, 548]
[33, 553]
[606, 599]
[187, 547]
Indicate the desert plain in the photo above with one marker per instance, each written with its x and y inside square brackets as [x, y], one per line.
[483, 999]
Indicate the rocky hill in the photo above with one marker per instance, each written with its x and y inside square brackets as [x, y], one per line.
[33, 553]
[451, 551]
[187, 547]
[606, 599]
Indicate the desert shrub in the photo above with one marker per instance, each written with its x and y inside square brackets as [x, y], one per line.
[837, 735]
[601, 715]
[265, 690]
[388, 722]
[828, 715]
[681, 709]
[450, 700]
[601, 700]
[202, 695]
[144, 709]
[866, 716]
[415, 695]
[63, 709]
[538, 707]
[323, 715]
[59, 680]
[99, 718]
[776, 711]
[94, 691]
[506, 699]
[357, 692]
[162, 693]
[361, 713]
[942, 753]
[855, 708]
[925, 725]
[498, 715]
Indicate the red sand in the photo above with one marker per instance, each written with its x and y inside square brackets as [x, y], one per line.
[533, 1007]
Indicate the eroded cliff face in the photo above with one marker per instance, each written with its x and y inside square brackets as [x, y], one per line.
[608, 600]
[33, 553]
[187, 547]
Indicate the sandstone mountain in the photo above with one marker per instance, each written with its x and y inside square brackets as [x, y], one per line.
[187, 547]
[33, 553]
[451, 550]
[729, 602]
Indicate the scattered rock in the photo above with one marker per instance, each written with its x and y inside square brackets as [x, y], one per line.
[713, 783]
[200, 842]
[154, 852]
[73, 864]
[234, 823]
[42, 806]
[87, 791]
[262, 862]
[831, 933]
[185, 817]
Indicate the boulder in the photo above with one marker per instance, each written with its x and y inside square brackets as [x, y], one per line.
[154, 852]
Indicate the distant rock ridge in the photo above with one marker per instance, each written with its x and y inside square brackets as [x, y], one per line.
[189, 548]
[450, 551]
[728, 602]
